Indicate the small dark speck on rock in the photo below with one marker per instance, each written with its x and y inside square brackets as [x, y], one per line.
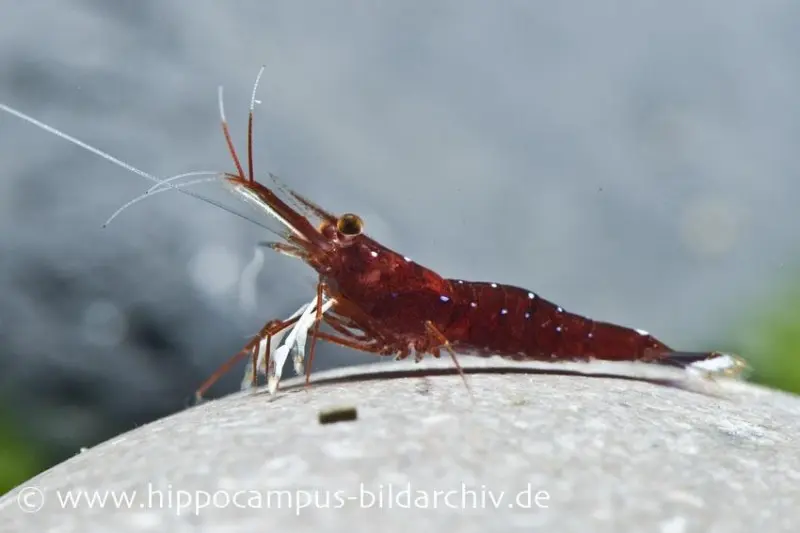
[423, 387]
[338, 414]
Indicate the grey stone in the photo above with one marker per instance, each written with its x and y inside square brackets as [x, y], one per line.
[602, 452]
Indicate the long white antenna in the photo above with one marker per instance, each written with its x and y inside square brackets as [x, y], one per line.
[120, 163]
[155, 189]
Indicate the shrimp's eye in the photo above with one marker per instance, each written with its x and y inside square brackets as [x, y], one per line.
[350, 225]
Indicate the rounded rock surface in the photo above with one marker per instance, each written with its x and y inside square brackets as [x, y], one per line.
[538, 447]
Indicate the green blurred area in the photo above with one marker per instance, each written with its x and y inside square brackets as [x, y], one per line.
[768, 337]
[19, 459]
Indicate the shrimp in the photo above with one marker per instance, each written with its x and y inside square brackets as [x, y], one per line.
[381, 302]
[378, 301]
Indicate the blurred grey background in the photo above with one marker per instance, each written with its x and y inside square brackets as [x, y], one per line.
[632, 161]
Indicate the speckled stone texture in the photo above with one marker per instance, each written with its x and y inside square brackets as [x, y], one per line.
[602, 454]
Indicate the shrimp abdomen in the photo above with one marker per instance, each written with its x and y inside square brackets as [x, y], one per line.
[514, 322]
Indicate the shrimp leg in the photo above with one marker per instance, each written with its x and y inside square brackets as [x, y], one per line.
[270, 329]
[283, 352]
[317, 321]
[263, 356]
[296, 340]
[434, 331]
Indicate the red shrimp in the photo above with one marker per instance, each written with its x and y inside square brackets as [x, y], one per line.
[386, 304]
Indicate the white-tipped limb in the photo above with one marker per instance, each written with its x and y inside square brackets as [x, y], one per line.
[275, 342]
[298, 347]
[280, 349]
[295, 344]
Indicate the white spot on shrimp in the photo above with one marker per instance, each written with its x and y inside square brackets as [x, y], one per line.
[559, 310]
[494, 285]
[408, 259]
[473, 304]
[531, 296]
[460, 281]
[503, 311]
[642, 332]
[591, 335]
[527, 315]
[444, 298]
[373, 253]
[558, 329]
